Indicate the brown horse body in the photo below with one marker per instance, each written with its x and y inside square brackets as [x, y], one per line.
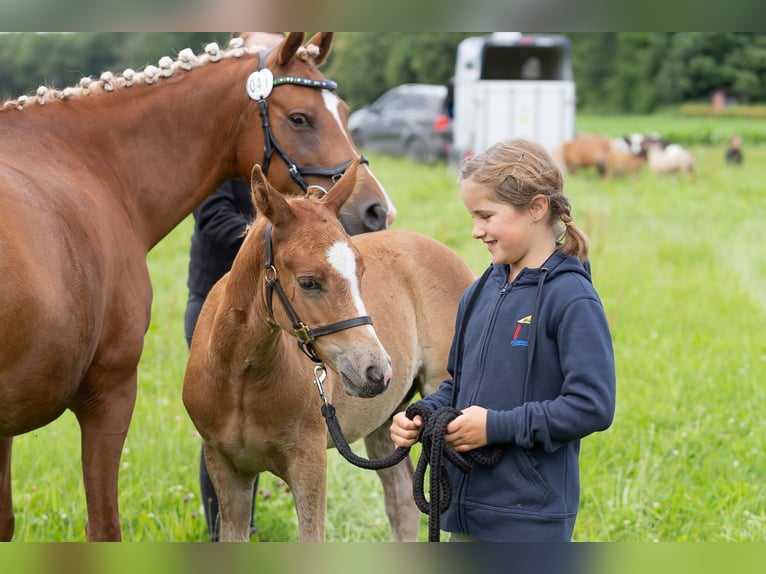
[89, 183]
[248, 387]
[584, 151]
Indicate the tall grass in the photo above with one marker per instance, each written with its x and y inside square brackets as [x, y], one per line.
[681, 270]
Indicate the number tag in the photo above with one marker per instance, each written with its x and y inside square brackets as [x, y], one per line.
[260, 84]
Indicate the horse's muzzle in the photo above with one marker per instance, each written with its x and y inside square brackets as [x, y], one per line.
[372, 382]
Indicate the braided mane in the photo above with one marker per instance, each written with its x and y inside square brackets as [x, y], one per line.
[151, 74]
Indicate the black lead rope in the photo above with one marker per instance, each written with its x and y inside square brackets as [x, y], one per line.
[435, 450]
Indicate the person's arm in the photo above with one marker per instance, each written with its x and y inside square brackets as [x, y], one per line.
[587, 400]
[219, 219]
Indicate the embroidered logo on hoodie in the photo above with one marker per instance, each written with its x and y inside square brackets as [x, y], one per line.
[521, 334]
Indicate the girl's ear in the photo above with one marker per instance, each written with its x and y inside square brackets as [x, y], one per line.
[539, 207]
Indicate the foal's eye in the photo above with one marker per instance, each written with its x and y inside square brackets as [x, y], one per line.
[308, 283]
[299, 120]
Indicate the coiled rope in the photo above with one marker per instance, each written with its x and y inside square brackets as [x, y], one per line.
[435, 450]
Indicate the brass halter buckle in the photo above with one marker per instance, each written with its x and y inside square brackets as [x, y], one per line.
[302, 334]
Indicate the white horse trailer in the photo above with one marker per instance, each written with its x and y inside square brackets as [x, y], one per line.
[511, 85]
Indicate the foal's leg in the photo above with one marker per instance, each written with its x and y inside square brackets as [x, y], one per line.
[7, 519]
[401, 510]
[307, 478]
[235, 496]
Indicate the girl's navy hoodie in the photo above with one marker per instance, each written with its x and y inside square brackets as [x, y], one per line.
[537, 353]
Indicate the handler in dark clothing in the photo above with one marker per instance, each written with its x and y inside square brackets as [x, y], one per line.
[219, 226]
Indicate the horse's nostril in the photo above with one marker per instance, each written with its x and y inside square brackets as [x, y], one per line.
[377, 376]
[375, 217]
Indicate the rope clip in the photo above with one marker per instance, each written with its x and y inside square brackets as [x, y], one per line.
[320, 374]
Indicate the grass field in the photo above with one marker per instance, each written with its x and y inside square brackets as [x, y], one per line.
[681, 270]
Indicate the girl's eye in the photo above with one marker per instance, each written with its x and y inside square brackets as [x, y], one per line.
[299, 120]
[308, 283]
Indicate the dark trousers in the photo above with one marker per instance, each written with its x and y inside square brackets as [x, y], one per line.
[207, 491]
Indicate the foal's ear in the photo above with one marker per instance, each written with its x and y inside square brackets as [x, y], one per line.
[341, 191]
[323, 40]
[268, 201]
[291, 44]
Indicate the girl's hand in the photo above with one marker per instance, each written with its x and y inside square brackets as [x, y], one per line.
[469, 430]
[405, 431]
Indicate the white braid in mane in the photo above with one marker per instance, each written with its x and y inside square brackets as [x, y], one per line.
[108, 82]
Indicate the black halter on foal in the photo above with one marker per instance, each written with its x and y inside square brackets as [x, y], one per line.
[270, 144]
[302, 332]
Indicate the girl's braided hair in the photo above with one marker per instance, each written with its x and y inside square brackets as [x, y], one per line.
[520, 169]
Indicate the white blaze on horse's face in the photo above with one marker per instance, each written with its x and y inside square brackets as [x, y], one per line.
[341, 257]
[332, 103]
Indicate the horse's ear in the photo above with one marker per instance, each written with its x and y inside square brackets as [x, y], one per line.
[267, 200]
[323, 41]
[291, 44]
[341, 191]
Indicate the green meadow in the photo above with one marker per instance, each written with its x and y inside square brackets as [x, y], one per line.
[681, 270]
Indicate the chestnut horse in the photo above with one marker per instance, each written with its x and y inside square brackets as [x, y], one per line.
[248, 387]
[584, 151]
[92, 177]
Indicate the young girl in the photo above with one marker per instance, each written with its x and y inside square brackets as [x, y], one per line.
[532, 363]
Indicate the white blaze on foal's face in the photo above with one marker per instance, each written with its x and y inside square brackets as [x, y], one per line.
[341, 257]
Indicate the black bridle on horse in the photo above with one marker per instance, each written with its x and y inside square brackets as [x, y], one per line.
[302, 332]
[270, 144]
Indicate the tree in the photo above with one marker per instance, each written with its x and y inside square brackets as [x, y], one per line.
[366, 64]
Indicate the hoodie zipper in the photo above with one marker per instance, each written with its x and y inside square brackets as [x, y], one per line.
[463, 478]
[486, 338]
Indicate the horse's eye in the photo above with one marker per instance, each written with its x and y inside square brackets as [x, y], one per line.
[299, 120]
[308, 283]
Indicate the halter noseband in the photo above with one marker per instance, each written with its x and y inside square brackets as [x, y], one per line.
[270, 144]
[302, 332]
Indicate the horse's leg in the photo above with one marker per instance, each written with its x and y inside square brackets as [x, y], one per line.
[235, 496]
[103, 411]
[307, 478]
[401, 510]
[7, 519]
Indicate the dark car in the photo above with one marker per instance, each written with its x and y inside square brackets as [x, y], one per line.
[410, 120]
